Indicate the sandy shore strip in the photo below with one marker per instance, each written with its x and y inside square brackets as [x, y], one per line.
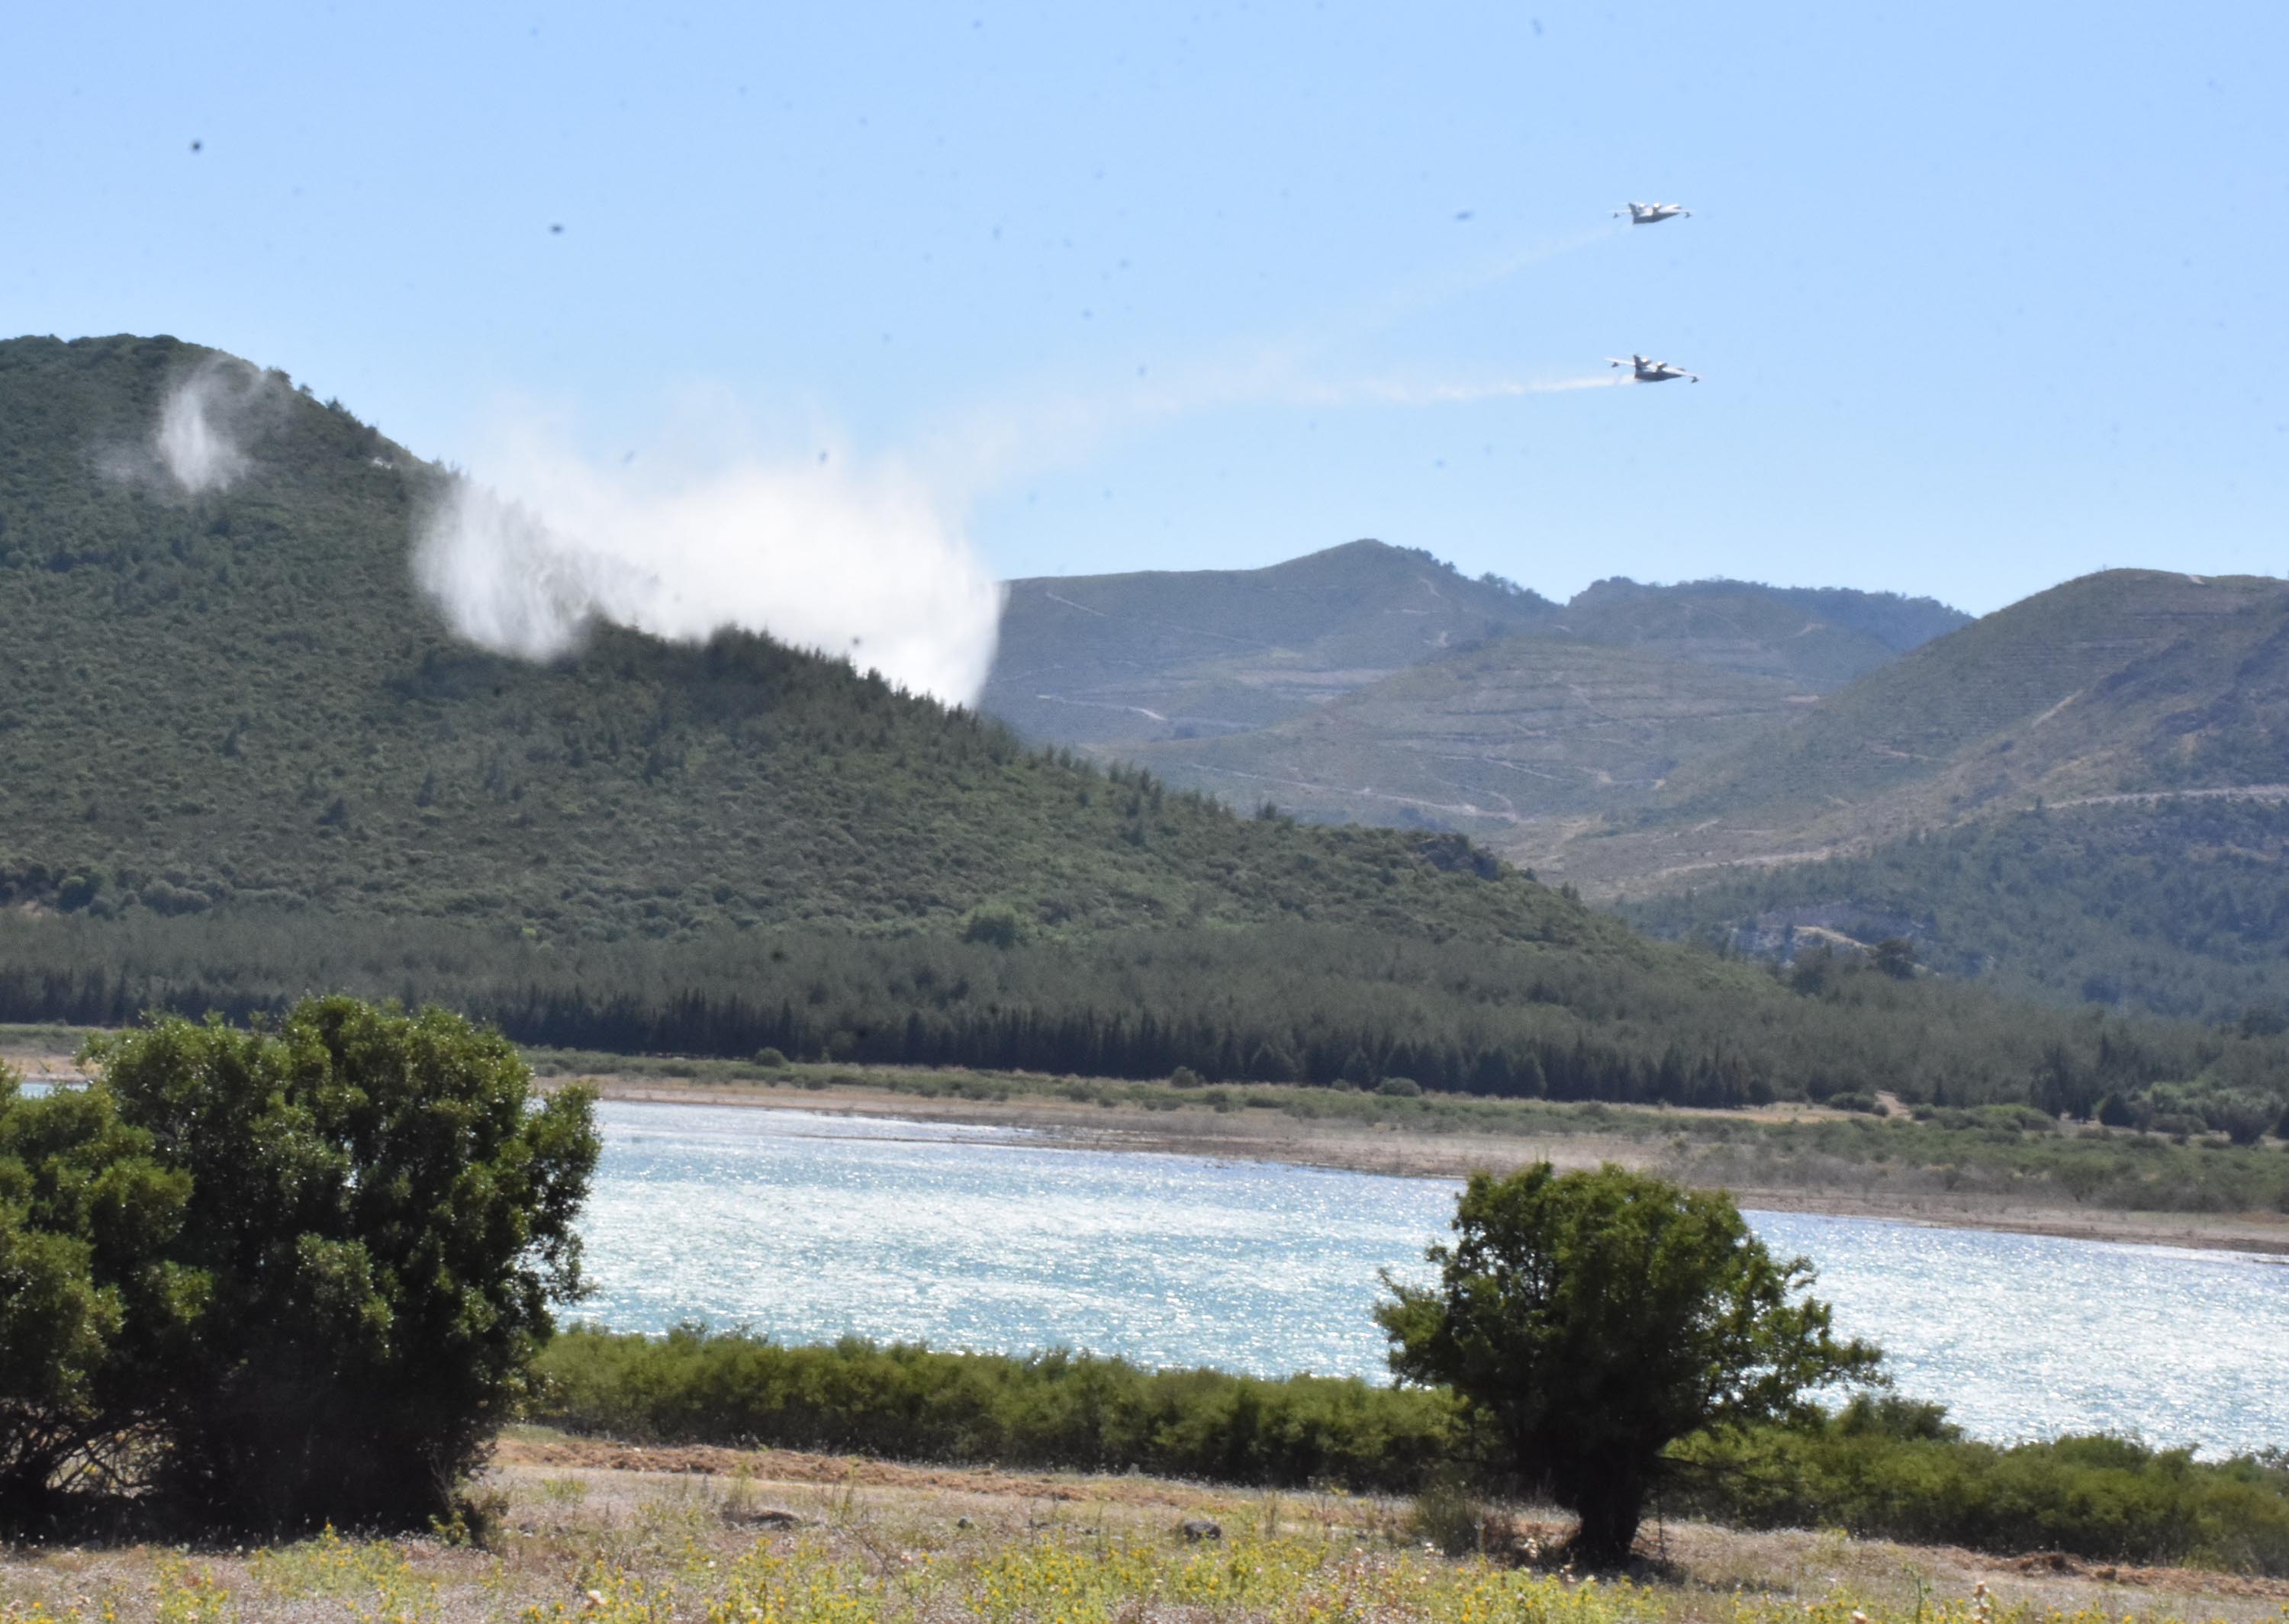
[1400, 1152]
[1383, 1147]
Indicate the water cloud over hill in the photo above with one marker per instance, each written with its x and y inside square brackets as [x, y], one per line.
[863, 561]
[206, 421]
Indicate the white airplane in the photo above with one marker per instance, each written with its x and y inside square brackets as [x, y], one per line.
[1654, 372]
[1653, 214]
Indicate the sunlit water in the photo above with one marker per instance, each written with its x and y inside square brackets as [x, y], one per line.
[806, 1227]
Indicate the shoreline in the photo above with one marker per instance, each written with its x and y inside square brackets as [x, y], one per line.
[1401, 1152]
[1397, 1151]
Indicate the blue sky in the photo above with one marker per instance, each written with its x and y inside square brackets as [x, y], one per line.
[1984, 297]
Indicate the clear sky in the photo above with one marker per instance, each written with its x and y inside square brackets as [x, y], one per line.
[1983, 296]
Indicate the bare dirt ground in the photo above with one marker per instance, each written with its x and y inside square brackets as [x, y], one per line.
[1384, 1148]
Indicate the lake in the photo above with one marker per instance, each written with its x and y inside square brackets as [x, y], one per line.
[808, 1227]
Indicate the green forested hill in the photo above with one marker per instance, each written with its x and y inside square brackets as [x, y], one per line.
[239, 699]
[240, 760]
[2172, 905]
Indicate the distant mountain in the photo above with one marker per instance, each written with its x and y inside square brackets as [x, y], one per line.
[1818, 637]
[1525, 727]
[1374, 684]
[1769, 769]
[1113, 659]
[2125, 683]
[2082, 797]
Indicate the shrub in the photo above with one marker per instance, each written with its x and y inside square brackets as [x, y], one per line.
[1054, 1410]
[1449, 1515]
[770, 1059]
[995, 924]
[1888, 1470]
[1883, 1466]
[1400, 1088]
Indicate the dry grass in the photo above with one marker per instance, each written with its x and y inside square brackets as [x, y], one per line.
[595, 1531]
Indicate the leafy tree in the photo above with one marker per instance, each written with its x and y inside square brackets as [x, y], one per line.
[1594, 1318]
[89, 1310]
[381, 1215]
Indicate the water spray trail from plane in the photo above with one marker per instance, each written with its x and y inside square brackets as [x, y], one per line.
[1391, 391]
[1013, 438]
[868, 561]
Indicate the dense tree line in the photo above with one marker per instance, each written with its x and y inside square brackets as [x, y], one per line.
[1296, 1003]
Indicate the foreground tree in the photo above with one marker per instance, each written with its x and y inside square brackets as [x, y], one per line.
[295, 1275]
[91, 1310]
[1593, 1319]
[382, 1214]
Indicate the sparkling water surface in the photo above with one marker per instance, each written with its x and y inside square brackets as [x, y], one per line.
[806, 1227]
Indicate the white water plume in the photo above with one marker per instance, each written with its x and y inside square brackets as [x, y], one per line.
[203, 424]
[866, 562]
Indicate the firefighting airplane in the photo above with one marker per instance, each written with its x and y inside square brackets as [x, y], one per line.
[1654, 372]
[1653, 214]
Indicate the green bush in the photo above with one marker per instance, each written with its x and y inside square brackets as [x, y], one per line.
[1886, 1470]
[1054, 1410]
